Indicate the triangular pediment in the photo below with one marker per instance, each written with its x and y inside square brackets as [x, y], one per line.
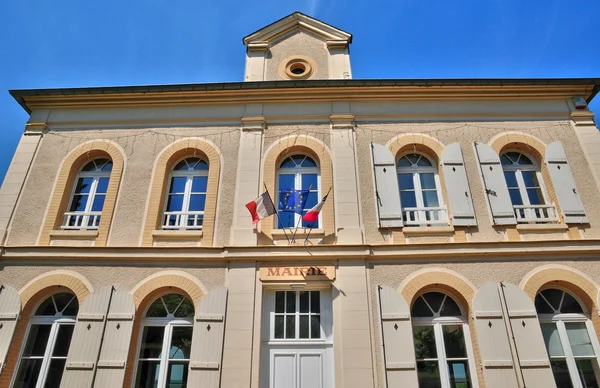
[297, 21]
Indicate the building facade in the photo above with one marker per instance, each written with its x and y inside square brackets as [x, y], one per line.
[459, 245]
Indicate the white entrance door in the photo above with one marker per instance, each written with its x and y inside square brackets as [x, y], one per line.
[297, 339]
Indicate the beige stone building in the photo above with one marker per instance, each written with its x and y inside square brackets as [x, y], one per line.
[459, 245]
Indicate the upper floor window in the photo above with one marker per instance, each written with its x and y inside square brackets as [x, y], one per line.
[525, 186]
[420, 194]
[570, 339]
[87, 198]
[442, 345]
[166, 341]
[43, 358]
[298, 172]
[186, 197]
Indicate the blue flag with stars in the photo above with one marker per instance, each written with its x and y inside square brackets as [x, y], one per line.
[292, 200]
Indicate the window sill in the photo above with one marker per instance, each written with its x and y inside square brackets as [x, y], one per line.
[177, 234]
[541, 227]
[428, 229]
[74, 233]
[302, 232]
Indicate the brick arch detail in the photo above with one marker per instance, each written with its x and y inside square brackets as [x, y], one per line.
[176, 279]
[70, 167]
[540, 276]
[160, 176]
[435, 277]
[419, 141]
[77, 283]
[300, 144]
[577, 282]
[518, 140]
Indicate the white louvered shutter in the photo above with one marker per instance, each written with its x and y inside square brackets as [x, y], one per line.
[387, 193]
[493, 340]
[495, 185]
[207, 340]
[457, 186]
[10, 309]
[528, 338]
[398, 344]
[85, 343]
[571, 205]
[117, 340]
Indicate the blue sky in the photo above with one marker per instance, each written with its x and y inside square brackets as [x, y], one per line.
[74, 43]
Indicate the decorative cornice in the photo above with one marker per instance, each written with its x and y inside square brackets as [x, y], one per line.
[35, 128]
[258, 46]
[342, 121]
[474, 251]
[336, 44]
[252, 123]
[305, 94]
[583, 117]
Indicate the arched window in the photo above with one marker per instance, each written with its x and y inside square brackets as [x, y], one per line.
[420, 194]
[186, 197]
[166, 341]
[570, 339]
[298, 172]
[442, 342]
[42, 360]
[87, 198]
[526, 189]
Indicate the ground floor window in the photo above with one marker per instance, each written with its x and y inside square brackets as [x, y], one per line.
[165, 345]
[569, 337]
[44, 355]
[442, 347]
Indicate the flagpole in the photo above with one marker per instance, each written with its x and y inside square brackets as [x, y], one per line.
[300, 220]
[276, 212]
[313, 224]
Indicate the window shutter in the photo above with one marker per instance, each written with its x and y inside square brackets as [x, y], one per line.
[10, 309]
[495, 185]
[570, 202]
[117, 340]
[387, 193]
[207, 340]
[529, 342]
[457, 186]
[398, 345]
[492, 337]
[85, 343]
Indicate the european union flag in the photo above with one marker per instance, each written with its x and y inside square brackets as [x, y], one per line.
[292, 200]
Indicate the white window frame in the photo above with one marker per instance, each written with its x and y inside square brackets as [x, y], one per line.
[298, 172]
[545, 212]
[185, 214]
[85, 215]
[56, 322]
[559, 319]
[420, 212]
[168, 322]
[438, 322]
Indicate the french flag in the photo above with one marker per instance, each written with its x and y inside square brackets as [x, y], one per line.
[313, 214]
[261, 207]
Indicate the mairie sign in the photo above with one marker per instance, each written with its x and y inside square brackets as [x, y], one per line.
[297, 273]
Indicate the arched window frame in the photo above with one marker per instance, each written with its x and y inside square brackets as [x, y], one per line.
[168, 323]
[422, 215]
[528, 212]
[56, 322]
[185, 219]
[298, 173]
[560, 321]
[88, 219]
[438, 323]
